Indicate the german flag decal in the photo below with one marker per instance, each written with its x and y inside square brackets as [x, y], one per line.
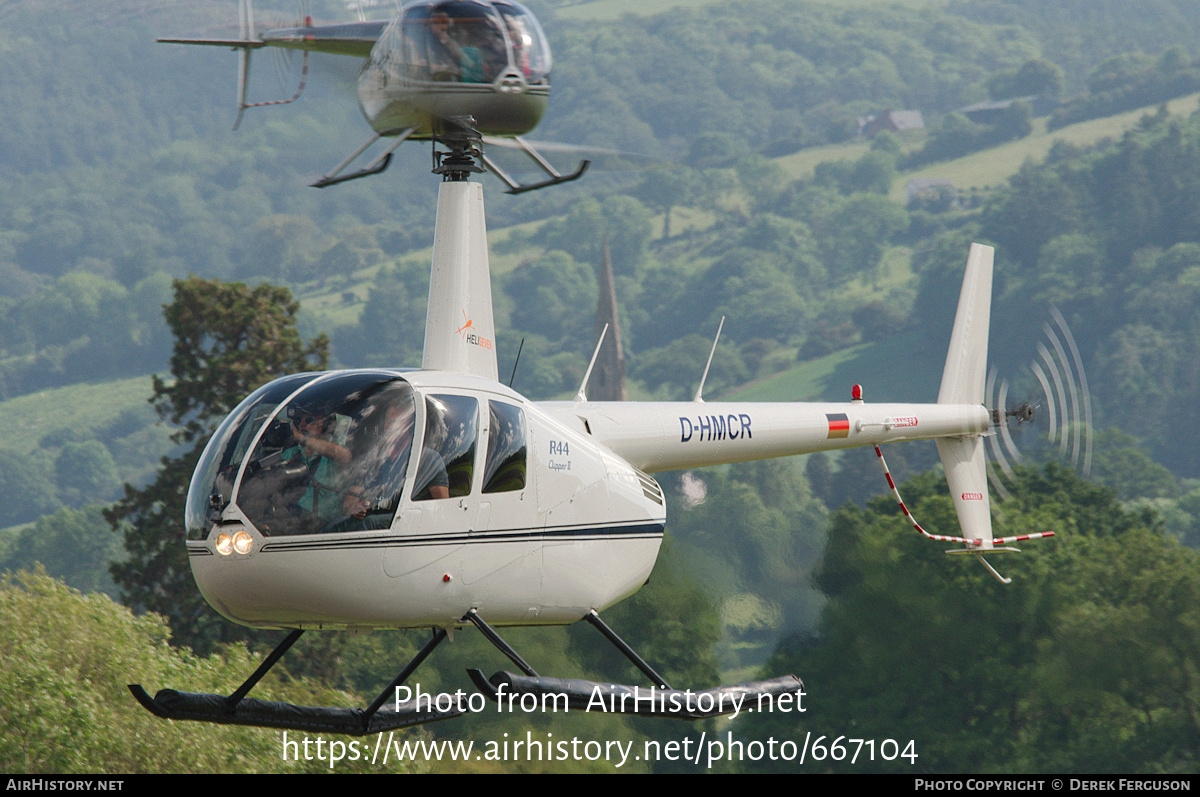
[839, 424]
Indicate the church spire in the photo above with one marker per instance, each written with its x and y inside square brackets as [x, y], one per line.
[608, 378]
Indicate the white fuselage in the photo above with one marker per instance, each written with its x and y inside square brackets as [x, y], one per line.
[581, 534]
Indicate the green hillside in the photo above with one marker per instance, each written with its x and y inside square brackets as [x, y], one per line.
[904, 368]
[764, 207]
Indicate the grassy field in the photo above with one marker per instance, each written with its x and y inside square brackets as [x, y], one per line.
[989, 167]
[906, 367]
[82, 408]
[992, 167]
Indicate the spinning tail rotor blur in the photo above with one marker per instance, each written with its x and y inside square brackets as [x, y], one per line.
[1064, 401]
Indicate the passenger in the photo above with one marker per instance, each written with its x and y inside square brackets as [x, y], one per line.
[372, 497]
[432, 479]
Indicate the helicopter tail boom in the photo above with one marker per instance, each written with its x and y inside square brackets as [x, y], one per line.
[669, 436]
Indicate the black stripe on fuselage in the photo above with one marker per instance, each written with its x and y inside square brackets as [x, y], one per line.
[577, 533]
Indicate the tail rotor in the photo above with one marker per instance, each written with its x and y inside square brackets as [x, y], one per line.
[1058, 406]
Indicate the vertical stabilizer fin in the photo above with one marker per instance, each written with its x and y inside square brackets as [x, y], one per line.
[963, 382]
[963, 459]
[245, 31]
[460, 334]
[966, 362]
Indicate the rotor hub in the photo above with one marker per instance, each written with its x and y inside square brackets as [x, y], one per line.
[465, 150]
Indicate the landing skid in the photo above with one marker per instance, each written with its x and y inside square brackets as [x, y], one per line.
[376, 166]
[237, 709]
[659, 700]
[554, 176]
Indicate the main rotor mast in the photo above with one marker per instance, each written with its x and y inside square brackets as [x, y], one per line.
[465, 145]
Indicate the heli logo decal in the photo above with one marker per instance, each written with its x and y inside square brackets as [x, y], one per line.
[714, 427]
[897, 422]
[839, 424]
[467, 330]
[972, 496]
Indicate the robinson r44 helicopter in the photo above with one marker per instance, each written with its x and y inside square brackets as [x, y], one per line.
[440, 498]
[437, 63]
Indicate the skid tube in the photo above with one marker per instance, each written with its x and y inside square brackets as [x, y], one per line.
[659, 700]
[237, 709]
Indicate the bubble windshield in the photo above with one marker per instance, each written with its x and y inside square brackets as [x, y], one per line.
[329, 457]
[212, 482]
[468, 41]
[338, 452]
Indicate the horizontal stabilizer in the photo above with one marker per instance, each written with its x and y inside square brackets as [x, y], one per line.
[643, 701]
[252, 44]
[352, 38]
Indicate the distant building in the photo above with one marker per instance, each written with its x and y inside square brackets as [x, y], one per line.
[930, 189]
[992, 111]
[895, 121]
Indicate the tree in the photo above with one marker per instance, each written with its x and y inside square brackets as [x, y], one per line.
[25, 491]
[621, 220]
[391, 329]
[65, 708]
[86, 473]
[1084, 663]
[229, 340]
[667, 189]
[73, 545]
[874, 172]
[1037, 77]
[856, 232]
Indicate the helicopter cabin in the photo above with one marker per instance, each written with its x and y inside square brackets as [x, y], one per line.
[446, 59]
[309, 455]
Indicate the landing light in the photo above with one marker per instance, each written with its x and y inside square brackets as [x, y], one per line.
[241, 542]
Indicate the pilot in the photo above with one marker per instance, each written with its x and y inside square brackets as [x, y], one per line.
[323, 459]
[448, 59]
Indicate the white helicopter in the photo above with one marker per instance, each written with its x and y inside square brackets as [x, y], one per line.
[439, 497]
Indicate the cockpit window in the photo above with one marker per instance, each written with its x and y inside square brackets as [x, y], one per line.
[530, 53]
[293, 481]
[381, 447]
[460, 41]
[310, 454]
[212, 483]
[337, 452]
[505, 469]
[447, 463]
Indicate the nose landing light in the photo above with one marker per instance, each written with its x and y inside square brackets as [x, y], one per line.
[240, 541]
[511, 83]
